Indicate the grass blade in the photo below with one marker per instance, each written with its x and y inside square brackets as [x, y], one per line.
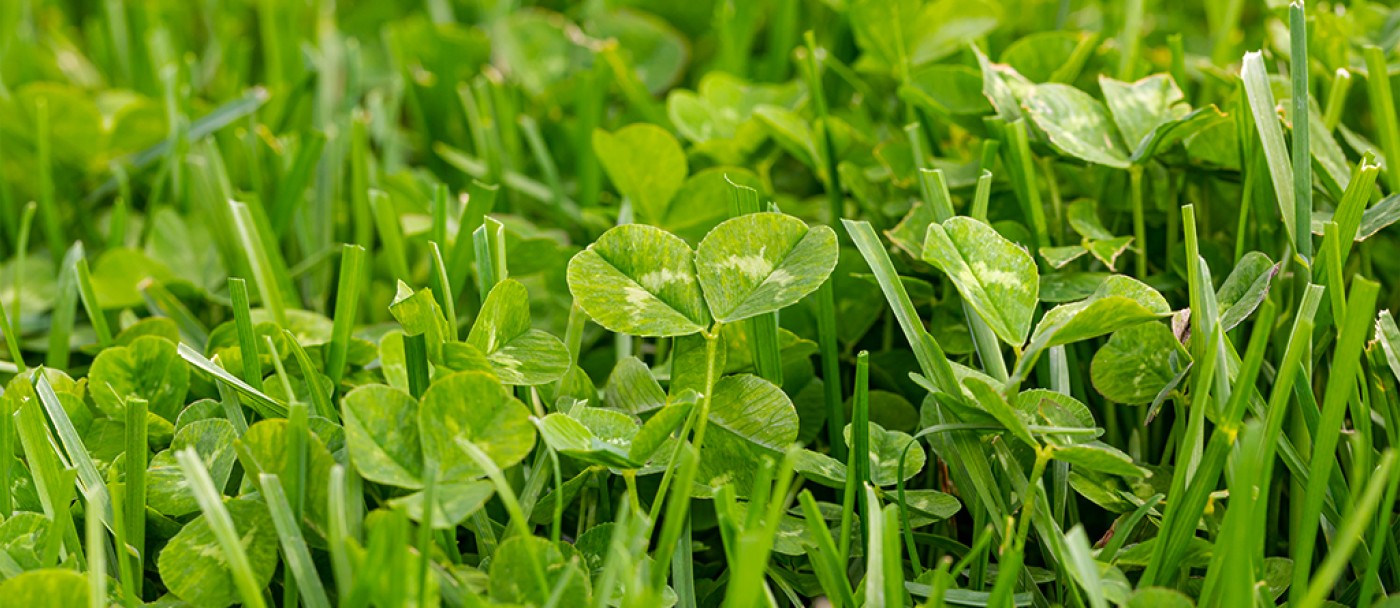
[352, 258]
[1261, 105]
[294, 548]
[211, 503]
[1340, 386]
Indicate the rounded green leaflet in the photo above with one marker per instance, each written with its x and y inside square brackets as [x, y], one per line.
[762, 262]
[592, 435]
[162, 327]
[659, 52]
[640, 280]
[1140, 108]
[518, 354]
[418, 312]
[473, 406]
[1038, 56]
[1076, 124]
[1137, 363]
[193, 564]
[1100, 457]
[452, 502]
[994, 404]
[997, 277]
[46, 588]
[749, 418]
[150, 368]
[265, 446]
[118, 273]
[518, 564]
[886, 448]
[645, 163]
[26, 533]
[928, 506]
[609, 437]
[632, 388]
[1120, 301]
[1046, 407]
[1245, 288]
[1158, 597]
[381, 431]
[890, 410]
[167, 489]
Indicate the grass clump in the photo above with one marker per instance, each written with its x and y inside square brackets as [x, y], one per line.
[867, 303]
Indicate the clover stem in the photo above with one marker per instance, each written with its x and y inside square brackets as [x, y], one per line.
[1139, 223]
[1042, 457]
[630, 476]
[711, 346]
[700, 414]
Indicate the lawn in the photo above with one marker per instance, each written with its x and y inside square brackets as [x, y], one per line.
[627, 303]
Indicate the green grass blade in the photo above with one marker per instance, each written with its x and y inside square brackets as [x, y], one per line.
[1261, 105]
[291, 187]
[10, 328]
[1340, 386]
[481, 199]
[386, 221]
[258, 400]
[247, 341]
[1382, 103]
[162, 303]
[294, 548]
[65, 308]
[265, 276]
[926, 348]
[348, 289]
[320, 401]
[1348, 534]
[96, 539]
[211, 503]
[442, 290]
[88, 295]
[1302, 158]
[137, 454]
[489, 243]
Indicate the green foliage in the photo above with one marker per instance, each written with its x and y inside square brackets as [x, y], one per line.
[625, 304]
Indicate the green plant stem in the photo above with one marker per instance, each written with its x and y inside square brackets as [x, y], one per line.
[1139, 222]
